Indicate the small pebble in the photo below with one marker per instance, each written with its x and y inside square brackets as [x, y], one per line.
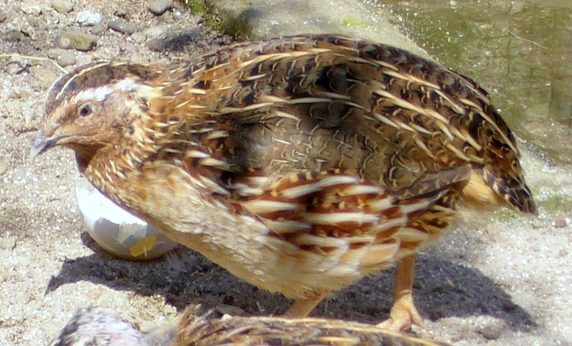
[121, 12]
[98, 29]
[88, 18]
[139, 37]
[14, 67]
[3, 167]
[128, 48]
[537, 223]
[44, 75]
[365, 289]
[62, 6]
[3, 16]
[62, 56]
[31, 9]
[156, 44]
[81, 41]
[492, 331]
[122, 26]
[54, 53]
[157, 30]
[14, 36]
[64, 42]
[177, 15]
[26, 27]
[158, 7]
[67, 58]
[8, 242]
[560, 221]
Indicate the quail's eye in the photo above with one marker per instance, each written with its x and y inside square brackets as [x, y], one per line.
[85, 110]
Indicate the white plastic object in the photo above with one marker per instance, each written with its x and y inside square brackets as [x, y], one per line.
[116, 230]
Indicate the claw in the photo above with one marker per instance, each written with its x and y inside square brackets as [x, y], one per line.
[403, 313]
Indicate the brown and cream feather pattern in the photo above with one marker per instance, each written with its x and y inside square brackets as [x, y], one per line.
[95, 327]
[300, 164]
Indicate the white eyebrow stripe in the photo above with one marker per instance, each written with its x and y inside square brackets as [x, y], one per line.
[127, 84]
[94, 94]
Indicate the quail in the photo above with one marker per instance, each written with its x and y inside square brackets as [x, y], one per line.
[96, 327]
[300, 164]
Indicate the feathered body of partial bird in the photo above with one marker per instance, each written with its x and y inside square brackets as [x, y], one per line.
[300, 164]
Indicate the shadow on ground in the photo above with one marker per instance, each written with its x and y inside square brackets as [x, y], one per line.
[442, 289]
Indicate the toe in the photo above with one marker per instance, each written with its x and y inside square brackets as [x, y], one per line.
[403, 315]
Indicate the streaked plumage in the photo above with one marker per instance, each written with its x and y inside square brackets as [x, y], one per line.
[95, 327]
[300, 164]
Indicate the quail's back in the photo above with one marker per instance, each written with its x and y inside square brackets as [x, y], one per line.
[300, 164]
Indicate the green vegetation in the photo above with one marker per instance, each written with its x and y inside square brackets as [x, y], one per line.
[504, 214]
[227, 24]
[352, 22]
[556, 203]
[196, 6]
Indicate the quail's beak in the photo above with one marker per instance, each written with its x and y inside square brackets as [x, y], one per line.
[43, 142]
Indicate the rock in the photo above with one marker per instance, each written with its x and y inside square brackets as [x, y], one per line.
[537, 223]
[156, 44]
[14, 36]
[8, 242]
[560, 221]
[31, 9]
[139, 37]
[274, 18]
[3, 16]
[122, 26]
[81, 41]
[174, 40]
[88, 18]
[62, 56]
[3, 167]
[24, 94]
[492, 331]
[24, 25]
[156, 30]
[15, 67]
[44, 75]
[64, 42]
[54, 53]
[365, 289]
[62, 6]
[177, 15]
[158, 7]
[98, 29]
[128, 48]
[121, 12]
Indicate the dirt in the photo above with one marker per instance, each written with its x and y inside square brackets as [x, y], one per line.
[504, 280]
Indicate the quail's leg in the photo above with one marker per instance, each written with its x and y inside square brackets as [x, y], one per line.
[302, 307]
[403, 313]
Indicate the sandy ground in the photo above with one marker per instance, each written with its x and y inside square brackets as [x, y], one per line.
[504, 280]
